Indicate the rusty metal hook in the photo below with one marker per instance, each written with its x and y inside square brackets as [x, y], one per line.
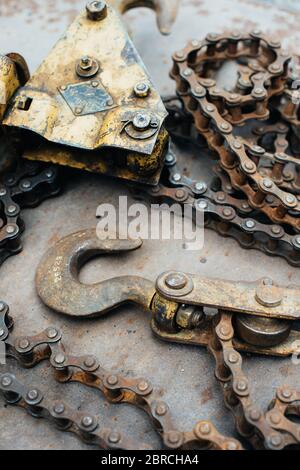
[166, 10]
[58, 283]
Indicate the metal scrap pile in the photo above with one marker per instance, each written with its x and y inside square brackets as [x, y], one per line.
[253, 130]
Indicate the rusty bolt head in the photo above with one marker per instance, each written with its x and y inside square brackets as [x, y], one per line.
[112, 380]
[96, 11]
[114, 437]
[86, 62]
[59, 408]
[6, 381]
[176, 280]
[141, 90]
[141, 121]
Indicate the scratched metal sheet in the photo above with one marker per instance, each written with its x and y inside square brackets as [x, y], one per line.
[122, 340]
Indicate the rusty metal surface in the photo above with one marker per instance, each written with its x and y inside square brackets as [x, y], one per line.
[186, 372]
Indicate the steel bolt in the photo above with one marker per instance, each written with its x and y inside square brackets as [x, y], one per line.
[6, 381]
[176, 280]
[87, 421]
[59, 358]
[59, 408]
[114, 437]
[86, 62]
[63, 88]
[141, 89]
[141, 121]
[96, 11]
[112, 379]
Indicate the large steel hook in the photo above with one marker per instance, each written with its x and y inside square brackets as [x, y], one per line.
[59, 286]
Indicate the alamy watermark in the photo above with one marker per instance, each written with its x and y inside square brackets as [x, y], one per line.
[154, 222]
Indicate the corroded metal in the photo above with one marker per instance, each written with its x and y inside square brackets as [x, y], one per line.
[86, 370]
[59, 288]
[81, 105]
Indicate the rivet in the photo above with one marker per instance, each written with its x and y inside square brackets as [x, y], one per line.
[32, 394]
[161, 409]
[26, 184]
[286, 393]
[10, 229]
[187, 72]
[174, 437]
[242, 385]
[227, 211]
[2, 191]
[249, 223]
[205, 428]
[275, 417]
[114, 437]
[210, 108]
[141, 121]
[51, 333]
[231, 445]
[89, 361]
[112, 379]
[177, 177]
[233, 358]
[267, 183]
[275, 440]
[221, 196]
[23, 343]
[237, 144]
[202, 204]
[95, 83]
[255, 414]
[200, 186]
[87, 421]
[59, 408]
[59, 358]
[290, 199]
[143, 386]
[6, 381]
[276, 229]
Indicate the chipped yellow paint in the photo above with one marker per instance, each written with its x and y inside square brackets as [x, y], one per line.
[9, 82]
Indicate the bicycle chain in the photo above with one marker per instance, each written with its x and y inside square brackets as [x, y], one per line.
[47, 345]
[270, 429]
[216, 114]
[27, 186]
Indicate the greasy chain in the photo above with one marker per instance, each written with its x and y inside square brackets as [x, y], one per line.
[47, 345]
[27, 186]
